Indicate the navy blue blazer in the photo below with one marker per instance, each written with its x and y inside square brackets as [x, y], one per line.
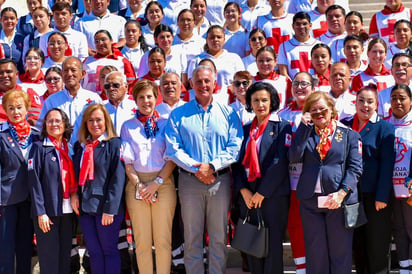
[15, 51]
[332, 171]
[13, 168]
[273, 160]
[105, 193]
[45, 178]
[378, 154]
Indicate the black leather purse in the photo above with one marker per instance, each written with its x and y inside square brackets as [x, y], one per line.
[251, 239]
[355, 215]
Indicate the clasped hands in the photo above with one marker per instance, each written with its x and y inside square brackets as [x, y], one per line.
[205, 173]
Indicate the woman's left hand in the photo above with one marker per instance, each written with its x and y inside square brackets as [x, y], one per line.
[149, 190]
[107, 219]
[336, 199]
[380, 205]
[257, 200]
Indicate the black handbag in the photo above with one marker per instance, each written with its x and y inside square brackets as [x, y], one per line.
[251, 239]
[355, 215]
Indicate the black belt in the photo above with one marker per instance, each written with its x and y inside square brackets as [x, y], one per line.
[216, 174]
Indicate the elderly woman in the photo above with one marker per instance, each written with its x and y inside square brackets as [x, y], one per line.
[150, 191]
[302, 86]
[331, 159]
[16, 226]
[261, 173]
[101, 178]
[371, 241]
[51, 175]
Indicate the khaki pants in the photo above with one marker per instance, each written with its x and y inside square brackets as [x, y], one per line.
[152, 224]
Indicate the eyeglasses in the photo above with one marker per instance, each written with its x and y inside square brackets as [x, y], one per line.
[109, 85]
[317, 112]
[240, 83]
[52, 79]
[301, 84]
[399, 65]
[259, 38]
[54, 121]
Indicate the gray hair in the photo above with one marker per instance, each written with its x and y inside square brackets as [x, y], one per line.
[68, 58]
[164, 75]
[124, 79]
[204, 67]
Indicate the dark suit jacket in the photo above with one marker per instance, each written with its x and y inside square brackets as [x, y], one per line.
[341, 167]
[45, 178]
[13, 168]
[378, 154]
[274, 164]
[105, 193]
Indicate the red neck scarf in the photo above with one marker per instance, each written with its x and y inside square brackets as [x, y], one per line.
[87, 168]
[251, 160]
[387, 11]
[22, 129]
[324, 142]
[149, 122]
[26, 78]
[384, 71]
[272, 76]
[355, 124]
[115, 54]
[67, 170]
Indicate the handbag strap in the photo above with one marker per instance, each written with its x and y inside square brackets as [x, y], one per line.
[261, 223]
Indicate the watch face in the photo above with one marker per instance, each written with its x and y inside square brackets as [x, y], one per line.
[159, 180]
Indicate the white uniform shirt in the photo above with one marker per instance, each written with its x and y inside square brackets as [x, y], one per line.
[48, 63]
[77, 42]
[165, 109]
[145, 154]
[90, 24]
[328, 38]
[249, 16]
[134, 56]
[319, 25]
[345, 105]
[43, 43]
[192, 47]
[244, 115]
[148, 35]
[125, 111]
[250, 64]
[214, 11]
[237, 42]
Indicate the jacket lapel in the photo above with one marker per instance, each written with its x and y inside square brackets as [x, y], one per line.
[270, 134]
[13, 145]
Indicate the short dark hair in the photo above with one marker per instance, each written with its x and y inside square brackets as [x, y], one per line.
[261, 31]
[321, 45]
[335, 7]
[65, 119]
[60, 6]
[404, 87]
[105, 32]
[301, 15]
[274, 96]
[156, 50]
[53, 69]
[356, 13]
[352, 38]
[151, 4]
[36, 50]
[6, 9]
[403, 21]
[401, 54]
[7, 61]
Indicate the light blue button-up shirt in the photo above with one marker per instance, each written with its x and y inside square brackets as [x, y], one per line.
[195, 135]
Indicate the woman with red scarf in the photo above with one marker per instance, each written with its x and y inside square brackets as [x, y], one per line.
[266, 63]
[16, 226]
[106, 54]
[331, 157]
[376, 72]
[150, 190]
[52, 179]
[371, 241]
[101, 177]
[261, 175]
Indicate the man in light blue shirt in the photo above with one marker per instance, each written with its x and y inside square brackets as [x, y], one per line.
[203, 139]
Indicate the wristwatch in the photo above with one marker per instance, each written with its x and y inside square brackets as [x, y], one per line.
[159, 180]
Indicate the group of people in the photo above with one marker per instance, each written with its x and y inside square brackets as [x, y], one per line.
[170, 114]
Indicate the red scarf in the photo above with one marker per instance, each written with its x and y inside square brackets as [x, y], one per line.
[87, 168]
[67, 170]
[272, 76]
[251, 160]
[115, 54]
[387, 11]
[26, 78]
[22, 129]
[324, 142]
[384, 71]
[355, 124]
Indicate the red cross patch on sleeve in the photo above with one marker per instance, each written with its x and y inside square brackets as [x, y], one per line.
[288, 140]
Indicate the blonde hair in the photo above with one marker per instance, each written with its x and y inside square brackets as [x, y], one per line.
[84, 131]
[316, 96]
[13, 95]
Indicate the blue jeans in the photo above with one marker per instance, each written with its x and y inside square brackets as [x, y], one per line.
[101, 242]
